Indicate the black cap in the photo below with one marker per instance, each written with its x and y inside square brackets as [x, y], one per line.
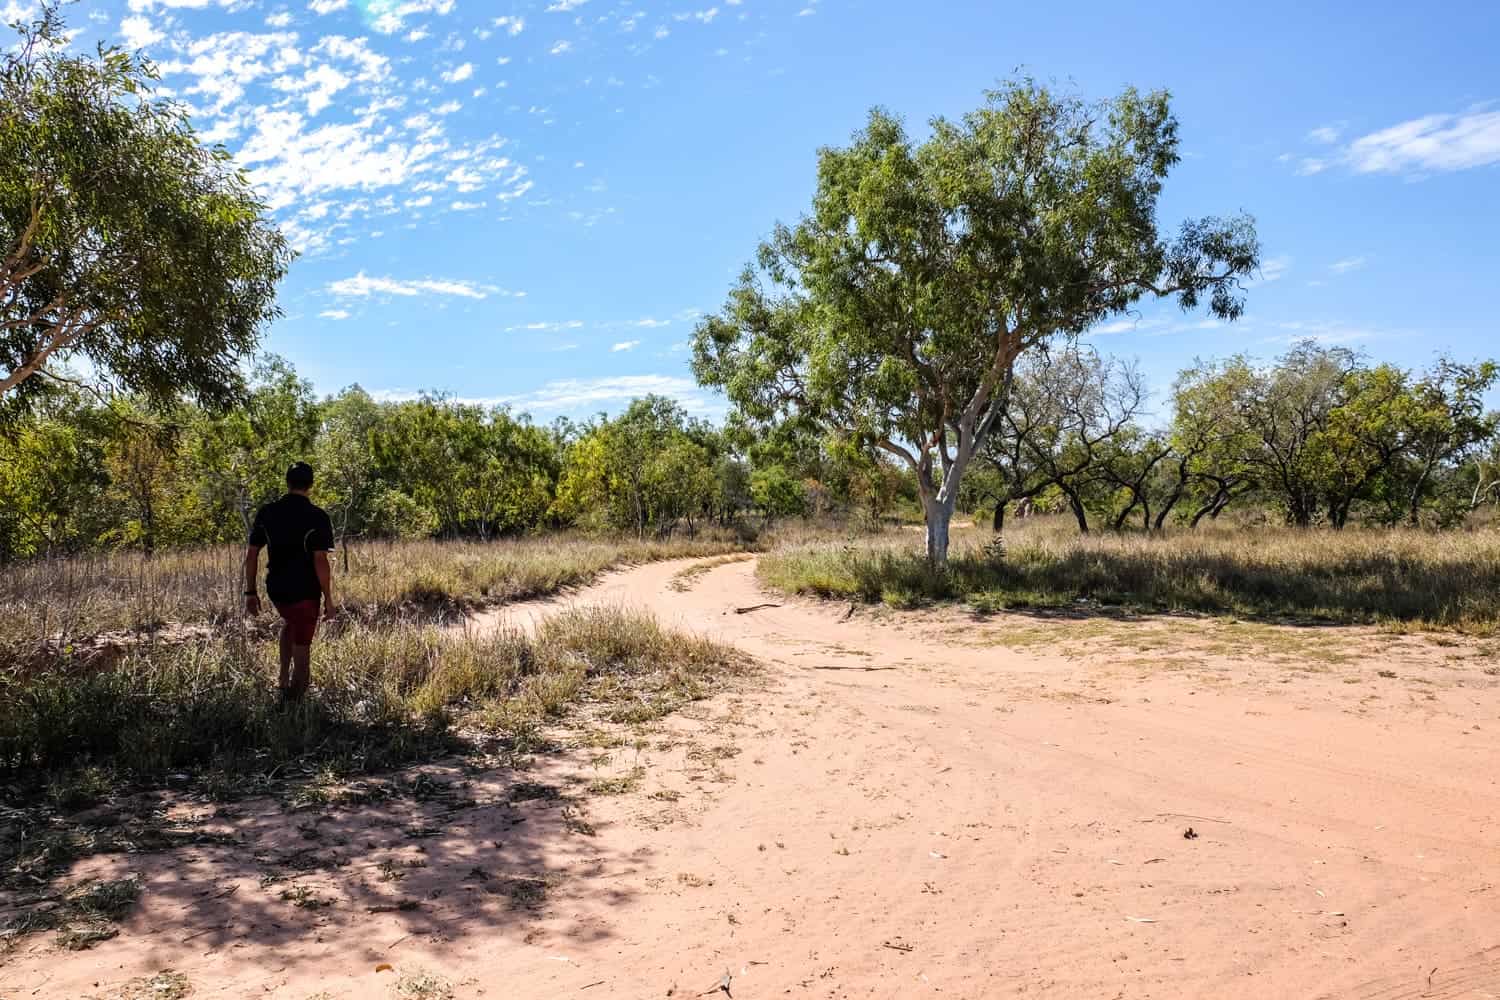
[300, 476]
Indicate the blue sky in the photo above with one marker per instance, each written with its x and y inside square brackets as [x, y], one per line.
[530, 202]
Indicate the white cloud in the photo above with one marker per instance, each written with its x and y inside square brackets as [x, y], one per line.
[625, 345]
[561, 47]
[138, 31]
[1274, 268]
[335, 314]
[317, 86]
[562, 6]
[703, 16]
[389, 16]
[459, 73]
[1347, 264]
[1125, 325]
[581, 394]
[327, 6]
[466, 206]
[1434, 143]
[571, 324]
[512, 25]
[224, 64]
[363, 286]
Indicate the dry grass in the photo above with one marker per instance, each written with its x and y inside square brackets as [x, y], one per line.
[685, 579]
[1400, 578]
[201, 716]
[62, 601]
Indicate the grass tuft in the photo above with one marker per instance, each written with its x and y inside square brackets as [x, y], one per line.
[92, 605]
[203, 716]
[1399, 577]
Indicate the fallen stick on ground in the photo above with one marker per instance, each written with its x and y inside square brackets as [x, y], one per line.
[1204, 819]
[754, 607]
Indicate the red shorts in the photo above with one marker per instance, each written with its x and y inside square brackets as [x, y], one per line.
[302, 619]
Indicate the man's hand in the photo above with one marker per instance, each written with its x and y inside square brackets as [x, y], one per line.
[330, 611]
[252, 605]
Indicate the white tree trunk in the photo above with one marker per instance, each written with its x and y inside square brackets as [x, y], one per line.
[939, 513]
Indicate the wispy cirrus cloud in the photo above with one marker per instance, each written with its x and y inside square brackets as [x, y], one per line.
[363, 285]
[1431, 144]
[546, 326]
[1273, 269]
[582, 394]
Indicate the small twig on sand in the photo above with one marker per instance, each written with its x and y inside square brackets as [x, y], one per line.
[723, 986]
[754, 607]
[848, 614]
[592, 985]
[898, 946]
[1204, 819]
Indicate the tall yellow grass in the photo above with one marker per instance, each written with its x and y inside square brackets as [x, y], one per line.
[83, 596]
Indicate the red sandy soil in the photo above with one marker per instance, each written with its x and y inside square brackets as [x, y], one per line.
[899, 805]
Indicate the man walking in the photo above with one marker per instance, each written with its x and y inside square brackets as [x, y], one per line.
[299, 536]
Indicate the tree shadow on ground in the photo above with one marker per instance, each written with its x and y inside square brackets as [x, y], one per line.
[443, 852]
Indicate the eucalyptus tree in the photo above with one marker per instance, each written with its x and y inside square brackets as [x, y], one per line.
[125, 243]
[895, 310]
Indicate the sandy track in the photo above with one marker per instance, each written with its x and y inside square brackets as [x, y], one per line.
[888, 814]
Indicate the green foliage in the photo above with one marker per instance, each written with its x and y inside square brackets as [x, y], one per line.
[777, 493]
[646, 470]
[482, 472]
[894, 311]
[123, 240]
[1324, 435]
[52, 483]
[1318, 436]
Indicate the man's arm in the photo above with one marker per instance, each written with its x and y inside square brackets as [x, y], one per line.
[325, 581]
[252, 565]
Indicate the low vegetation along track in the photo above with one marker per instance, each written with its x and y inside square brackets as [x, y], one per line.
[906, 804]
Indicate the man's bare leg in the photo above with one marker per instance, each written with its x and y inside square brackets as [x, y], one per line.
[301, 671]
[285, 679]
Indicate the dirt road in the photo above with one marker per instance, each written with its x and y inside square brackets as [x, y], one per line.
[909, 804]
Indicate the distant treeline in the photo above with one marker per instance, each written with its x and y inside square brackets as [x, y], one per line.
[78, 472]
[1321, 436]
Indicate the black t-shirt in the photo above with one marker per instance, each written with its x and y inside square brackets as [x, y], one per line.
[292, 529]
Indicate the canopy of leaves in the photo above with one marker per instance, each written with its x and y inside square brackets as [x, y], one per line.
[648, 468]
[123, 240]
[894, 310]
